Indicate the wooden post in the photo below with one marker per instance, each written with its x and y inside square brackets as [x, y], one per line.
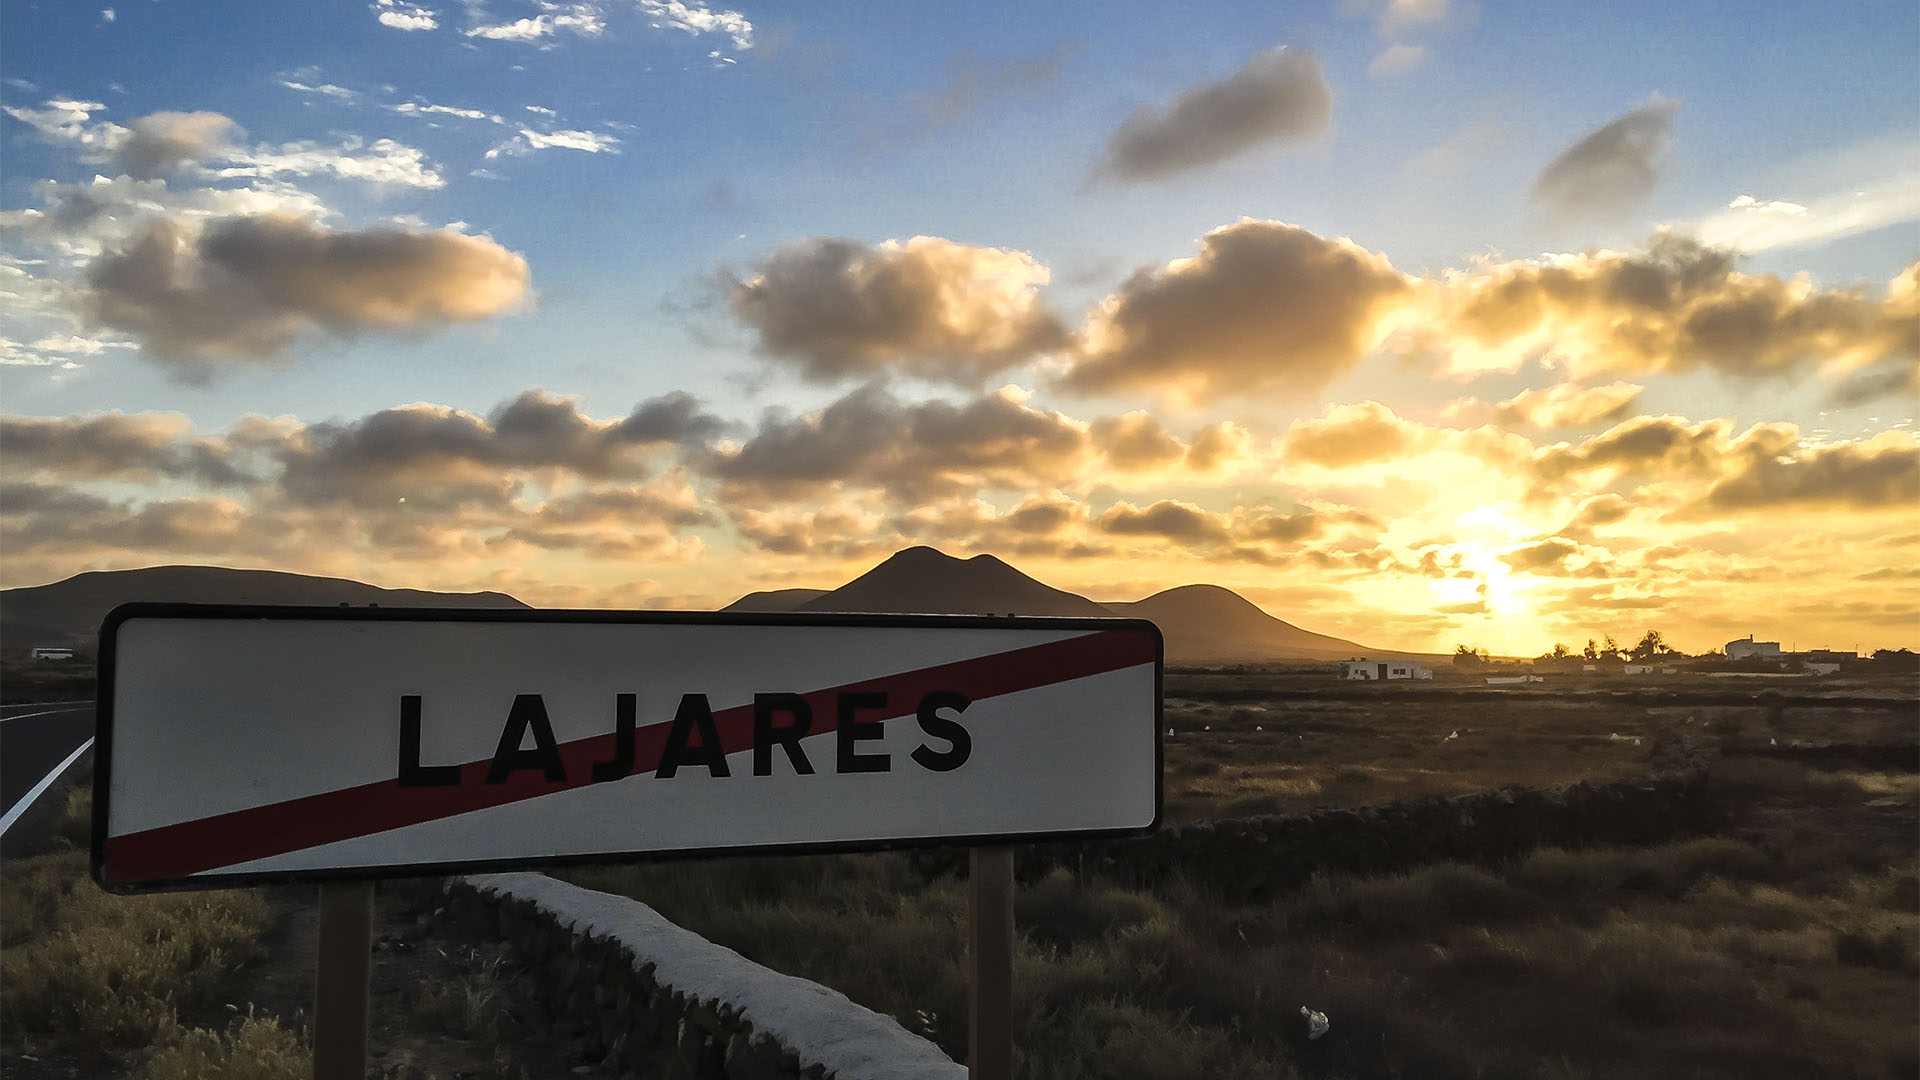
[343, 963]
[990, 955]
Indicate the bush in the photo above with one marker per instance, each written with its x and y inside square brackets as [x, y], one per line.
[1424, 902]
[254, 1049]
[85, 966]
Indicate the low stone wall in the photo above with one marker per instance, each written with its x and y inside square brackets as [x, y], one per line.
[1254, 859]
[657, 1000]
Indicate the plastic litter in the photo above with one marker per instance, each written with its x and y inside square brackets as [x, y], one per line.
[1316, 1022]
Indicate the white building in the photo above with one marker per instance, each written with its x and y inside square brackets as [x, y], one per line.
[1636, 669]
[1747, 648]
[1383, 670]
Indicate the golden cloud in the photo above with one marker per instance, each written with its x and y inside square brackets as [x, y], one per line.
[1265, 307]
[243, 289]
[1676, 307]
[928, 307]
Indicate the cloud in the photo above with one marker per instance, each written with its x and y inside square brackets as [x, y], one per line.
[1665, 446]
[1563, 405]
[1548, 556]
[1167, 519]
[115, 445]
[1218, 446]
[974, 81]
[1747, 224]
[85, 219]
[404, 16]
[1350, 435]
[70, 120]
[384, 162]
[582, 20]
[243, 289]
[1136, 442]
[1677, 306]
[1879, 474]
[416, 108]
[338, 93]
[162, 142]
[697, 19]
[927, 307]
[1395, 18]
[1278, 96]
[870, 438]
[1609, 170]
[529, 141]
[1266, 307]
[1397, 59]
[1606, 508]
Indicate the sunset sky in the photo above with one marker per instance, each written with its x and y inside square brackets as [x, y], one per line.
[1417, 322]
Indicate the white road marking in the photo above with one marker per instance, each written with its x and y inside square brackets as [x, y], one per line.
[40, 788]
[75, 707]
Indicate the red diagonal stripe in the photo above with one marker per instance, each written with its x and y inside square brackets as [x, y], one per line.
[258, 832]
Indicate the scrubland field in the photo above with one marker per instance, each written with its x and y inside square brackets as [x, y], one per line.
[1783, 941]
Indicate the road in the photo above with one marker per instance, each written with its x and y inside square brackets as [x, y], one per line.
[38, 743]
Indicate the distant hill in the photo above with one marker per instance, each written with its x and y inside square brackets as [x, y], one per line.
[774, 600]
[70, 611]
[1202, 623]
[1210, 623]
[920, 579]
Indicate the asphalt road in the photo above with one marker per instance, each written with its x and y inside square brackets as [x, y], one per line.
[38, 743]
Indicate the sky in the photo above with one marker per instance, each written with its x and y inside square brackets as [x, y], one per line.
[1416, 322]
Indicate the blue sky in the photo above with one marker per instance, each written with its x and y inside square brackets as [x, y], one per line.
[646, 163]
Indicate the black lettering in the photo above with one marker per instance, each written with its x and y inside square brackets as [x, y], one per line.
[529, 713]
[621, 764]
[941, 727]
[412, 773]
[766, 735]
[694, 712]
[852, 732]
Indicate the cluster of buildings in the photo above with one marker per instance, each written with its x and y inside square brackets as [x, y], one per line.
[1383, 670]
[1812, 661]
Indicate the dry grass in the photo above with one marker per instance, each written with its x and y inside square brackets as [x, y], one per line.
[82, 966]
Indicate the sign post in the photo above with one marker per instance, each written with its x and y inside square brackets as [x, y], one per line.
[990, 963]
[343, 966]
[244, 745]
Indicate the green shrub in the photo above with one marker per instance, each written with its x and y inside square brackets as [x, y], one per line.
[81, 965]
[1424, 902]
[255, 1049]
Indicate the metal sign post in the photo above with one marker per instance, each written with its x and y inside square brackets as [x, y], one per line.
[343, 965]
[990, 958]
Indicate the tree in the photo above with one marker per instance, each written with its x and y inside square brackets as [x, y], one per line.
[1611, 649]
[1592, 651]
[1466, 656]
[1650, 646]
[1561, 652]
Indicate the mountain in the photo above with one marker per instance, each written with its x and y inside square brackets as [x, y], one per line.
[774, 600]
[920, 579]
[1207, 622]
[70, 612]
[1202, 623]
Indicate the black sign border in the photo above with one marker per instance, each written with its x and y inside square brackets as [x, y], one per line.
[103, 731]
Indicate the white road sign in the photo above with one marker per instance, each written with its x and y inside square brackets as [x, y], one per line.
[239, 744]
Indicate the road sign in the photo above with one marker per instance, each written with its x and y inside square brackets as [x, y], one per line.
[241, 744]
